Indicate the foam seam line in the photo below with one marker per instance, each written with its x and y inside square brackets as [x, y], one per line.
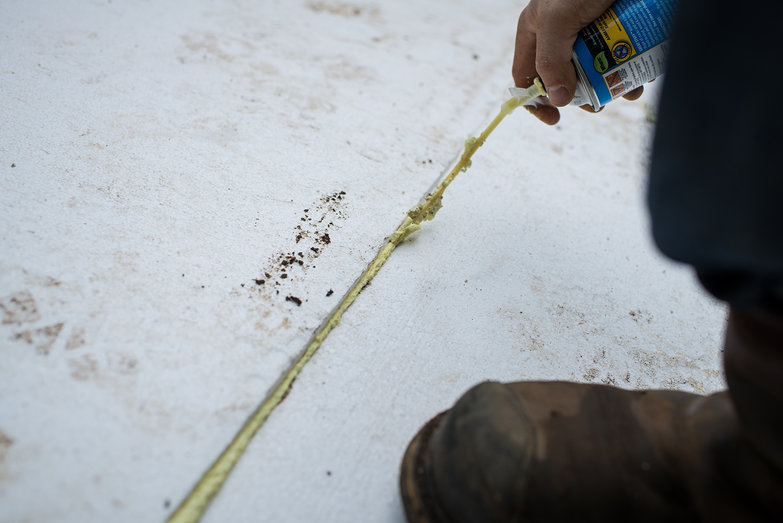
[192, 508]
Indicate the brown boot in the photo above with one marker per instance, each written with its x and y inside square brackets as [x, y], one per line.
[559, 451]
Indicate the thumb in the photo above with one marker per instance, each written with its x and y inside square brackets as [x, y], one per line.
[553, 62]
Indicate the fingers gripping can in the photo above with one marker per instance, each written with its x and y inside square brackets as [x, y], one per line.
[623, 49]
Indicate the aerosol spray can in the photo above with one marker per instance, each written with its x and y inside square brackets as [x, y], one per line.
[623, 49]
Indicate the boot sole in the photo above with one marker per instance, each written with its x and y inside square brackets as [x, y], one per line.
[418, 499]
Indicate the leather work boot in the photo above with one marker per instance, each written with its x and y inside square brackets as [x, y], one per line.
[559, 451]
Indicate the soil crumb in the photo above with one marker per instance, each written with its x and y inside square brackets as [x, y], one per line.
[295, 300]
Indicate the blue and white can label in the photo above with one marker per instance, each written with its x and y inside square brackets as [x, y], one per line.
[623, 49]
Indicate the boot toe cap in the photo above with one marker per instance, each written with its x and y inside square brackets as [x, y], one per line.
[480, 455]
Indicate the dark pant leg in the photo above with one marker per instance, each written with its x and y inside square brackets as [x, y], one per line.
[716, 180]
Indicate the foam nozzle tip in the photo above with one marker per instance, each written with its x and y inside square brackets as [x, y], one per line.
[529, 95]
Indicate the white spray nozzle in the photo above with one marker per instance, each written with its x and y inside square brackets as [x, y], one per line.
[529, 95]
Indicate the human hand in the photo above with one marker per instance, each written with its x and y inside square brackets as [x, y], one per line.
[546, 34]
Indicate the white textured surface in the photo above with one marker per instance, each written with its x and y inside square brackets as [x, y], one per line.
[538, 267]
[163, 158]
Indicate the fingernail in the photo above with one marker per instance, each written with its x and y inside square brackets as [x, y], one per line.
[559, 95]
